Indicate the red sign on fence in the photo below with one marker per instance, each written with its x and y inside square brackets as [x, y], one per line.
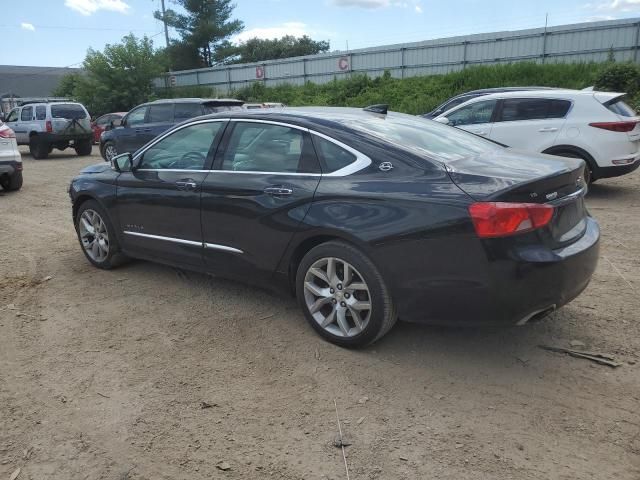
[259, 72]
[343, 63]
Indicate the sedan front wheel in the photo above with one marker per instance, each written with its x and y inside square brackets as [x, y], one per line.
[97, 237]
[343, 296]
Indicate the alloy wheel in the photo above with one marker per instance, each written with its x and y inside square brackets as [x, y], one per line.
[337, 297]
[94, 235]
[110, 152]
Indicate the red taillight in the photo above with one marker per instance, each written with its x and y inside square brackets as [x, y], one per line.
[49, 126]
[498, 219]
[615, 126]
[7, 133]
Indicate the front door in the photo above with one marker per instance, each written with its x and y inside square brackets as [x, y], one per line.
[159, 201]
[132, 126]
[262, 186]
[13, 122]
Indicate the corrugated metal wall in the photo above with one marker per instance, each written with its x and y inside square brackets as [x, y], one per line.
[583, 42]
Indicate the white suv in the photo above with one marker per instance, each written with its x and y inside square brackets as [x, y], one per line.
[598, 127]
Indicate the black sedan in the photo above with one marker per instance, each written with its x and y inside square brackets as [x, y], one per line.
[366, 216]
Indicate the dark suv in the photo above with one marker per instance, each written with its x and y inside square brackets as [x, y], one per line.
[145, 122]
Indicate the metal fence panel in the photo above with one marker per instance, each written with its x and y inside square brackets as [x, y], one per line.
[585, 42]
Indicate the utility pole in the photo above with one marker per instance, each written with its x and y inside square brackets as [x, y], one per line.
[164, 21]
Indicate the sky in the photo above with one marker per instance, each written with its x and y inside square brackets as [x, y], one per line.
[57, 33]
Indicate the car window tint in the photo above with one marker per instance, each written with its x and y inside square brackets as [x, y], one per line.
[103, 120]
[517, 109]
[27, 113]
[261, 147]
[185, 111]
[621, 108]
[185, 149]
[41, 112]
[13, 116]
[333, 156]
[136, 117]
[479, 112]
[162, 113]
[68, 110]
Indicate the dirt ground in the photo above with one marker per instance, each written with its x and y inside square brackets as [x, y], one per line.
[103, 374]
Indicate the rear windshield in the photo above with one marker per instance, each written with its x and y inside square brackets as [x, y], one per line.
[68, 110]
[220, 108]
[424, 137]
[619, 107]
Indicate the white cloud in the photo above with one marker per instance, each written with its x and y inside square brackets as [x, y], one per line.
[89, 7]
[297, 29]
[418, 9]
[362, 3]
[613, 6]
[27, 26]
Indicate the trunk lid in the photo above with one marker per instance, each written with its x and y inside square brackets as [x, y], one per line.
[512, 176]
[70, 119]
[614, 102]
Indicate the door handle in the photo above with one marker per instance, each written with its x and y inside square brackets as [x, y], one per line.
[548, 129]
[187, 184]
[278, 191]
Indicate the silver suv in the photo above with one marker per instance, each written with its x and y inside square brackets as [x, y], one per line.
[45, 126]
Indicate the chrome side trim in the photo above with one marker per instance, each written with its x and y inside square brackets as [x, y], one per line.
[215, 246]
[166, 239]
[142, 151]
[569, 198]
[171, 170]
[286, 174]
[270, 122]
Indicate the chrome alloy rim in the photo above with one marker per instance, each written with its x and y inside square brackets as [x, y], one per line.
[337, 297]
[94, 235]
[110, 152]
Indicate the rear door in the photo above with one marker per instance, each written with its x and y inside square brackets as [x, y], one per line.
[264, 180]
[158, 203]
[475, 118]
[530, 124]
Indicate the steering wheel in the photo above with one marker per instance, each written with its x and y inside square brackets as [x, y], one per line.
[189, 160]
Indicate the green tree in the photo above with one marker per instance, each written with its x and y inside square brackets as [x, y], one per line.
[257, 50]
[67, 85]
[205, 27]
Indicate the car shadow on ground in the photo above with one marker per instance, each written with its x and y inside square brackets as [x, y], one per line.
[604, 191]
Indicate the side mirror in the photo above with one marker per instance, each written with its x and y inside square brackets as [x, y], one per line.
[443, 120]
[116, 122]
[122, 162]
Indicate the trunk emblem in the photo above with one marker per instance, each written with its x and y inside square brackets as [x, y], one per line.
[552, 196]
[385, 166]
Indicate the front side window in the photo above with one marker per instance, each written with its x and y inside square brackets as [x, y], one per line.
[479, 112]
[333, 156]
[41, 112]
[517, 109]
[185, 149]
[136, 117]
[13, 116]
[27, 114]
[162, 113]
[263, 147]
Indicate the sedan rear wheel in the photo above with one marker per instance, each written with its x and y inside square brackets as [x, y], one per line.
[343, 295]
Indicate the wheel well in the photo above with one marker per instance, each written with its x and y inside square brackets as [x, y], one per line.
[299, 253]
[32, 134]
[79, 201]
[556, 150]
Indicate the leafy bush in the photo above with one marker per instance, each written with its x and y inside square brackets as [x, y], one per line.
[619, 77]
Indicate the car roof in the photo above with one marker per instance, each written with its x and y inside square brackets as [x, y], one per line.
[503, 89]
[232, 101]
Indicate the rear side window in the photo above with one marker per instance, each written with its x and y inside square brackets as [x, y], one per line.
[185, 111]
[162, 113]
[260, 147]
[516, 109]
[41, 112]
[27, 114]
[71, 111]
[220, 108]
[332, 156]
[621, 108]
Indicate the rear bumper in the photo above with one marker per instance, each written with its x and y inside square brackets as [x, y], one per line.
[615, 171]
[10, 167]
[511, 289]
[56, 137]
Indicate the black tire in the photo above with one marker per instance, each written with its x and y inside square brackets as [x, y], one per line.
[83, 147]
[11, 182]
[114, 257]
[382, 314]
[106, 148]
[38, 149]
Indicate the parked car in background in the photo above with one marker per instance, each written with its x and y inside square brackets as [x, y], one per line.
[367, 215]
[255, 106]
[465, 97]
[597, 127]
[10, 160]
[145, 122]
[103, 123]
[45, 126]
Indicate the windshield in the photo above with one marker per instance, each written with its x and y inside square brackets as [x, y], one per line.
[424, 137]
[619, 107]
[68, 110]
